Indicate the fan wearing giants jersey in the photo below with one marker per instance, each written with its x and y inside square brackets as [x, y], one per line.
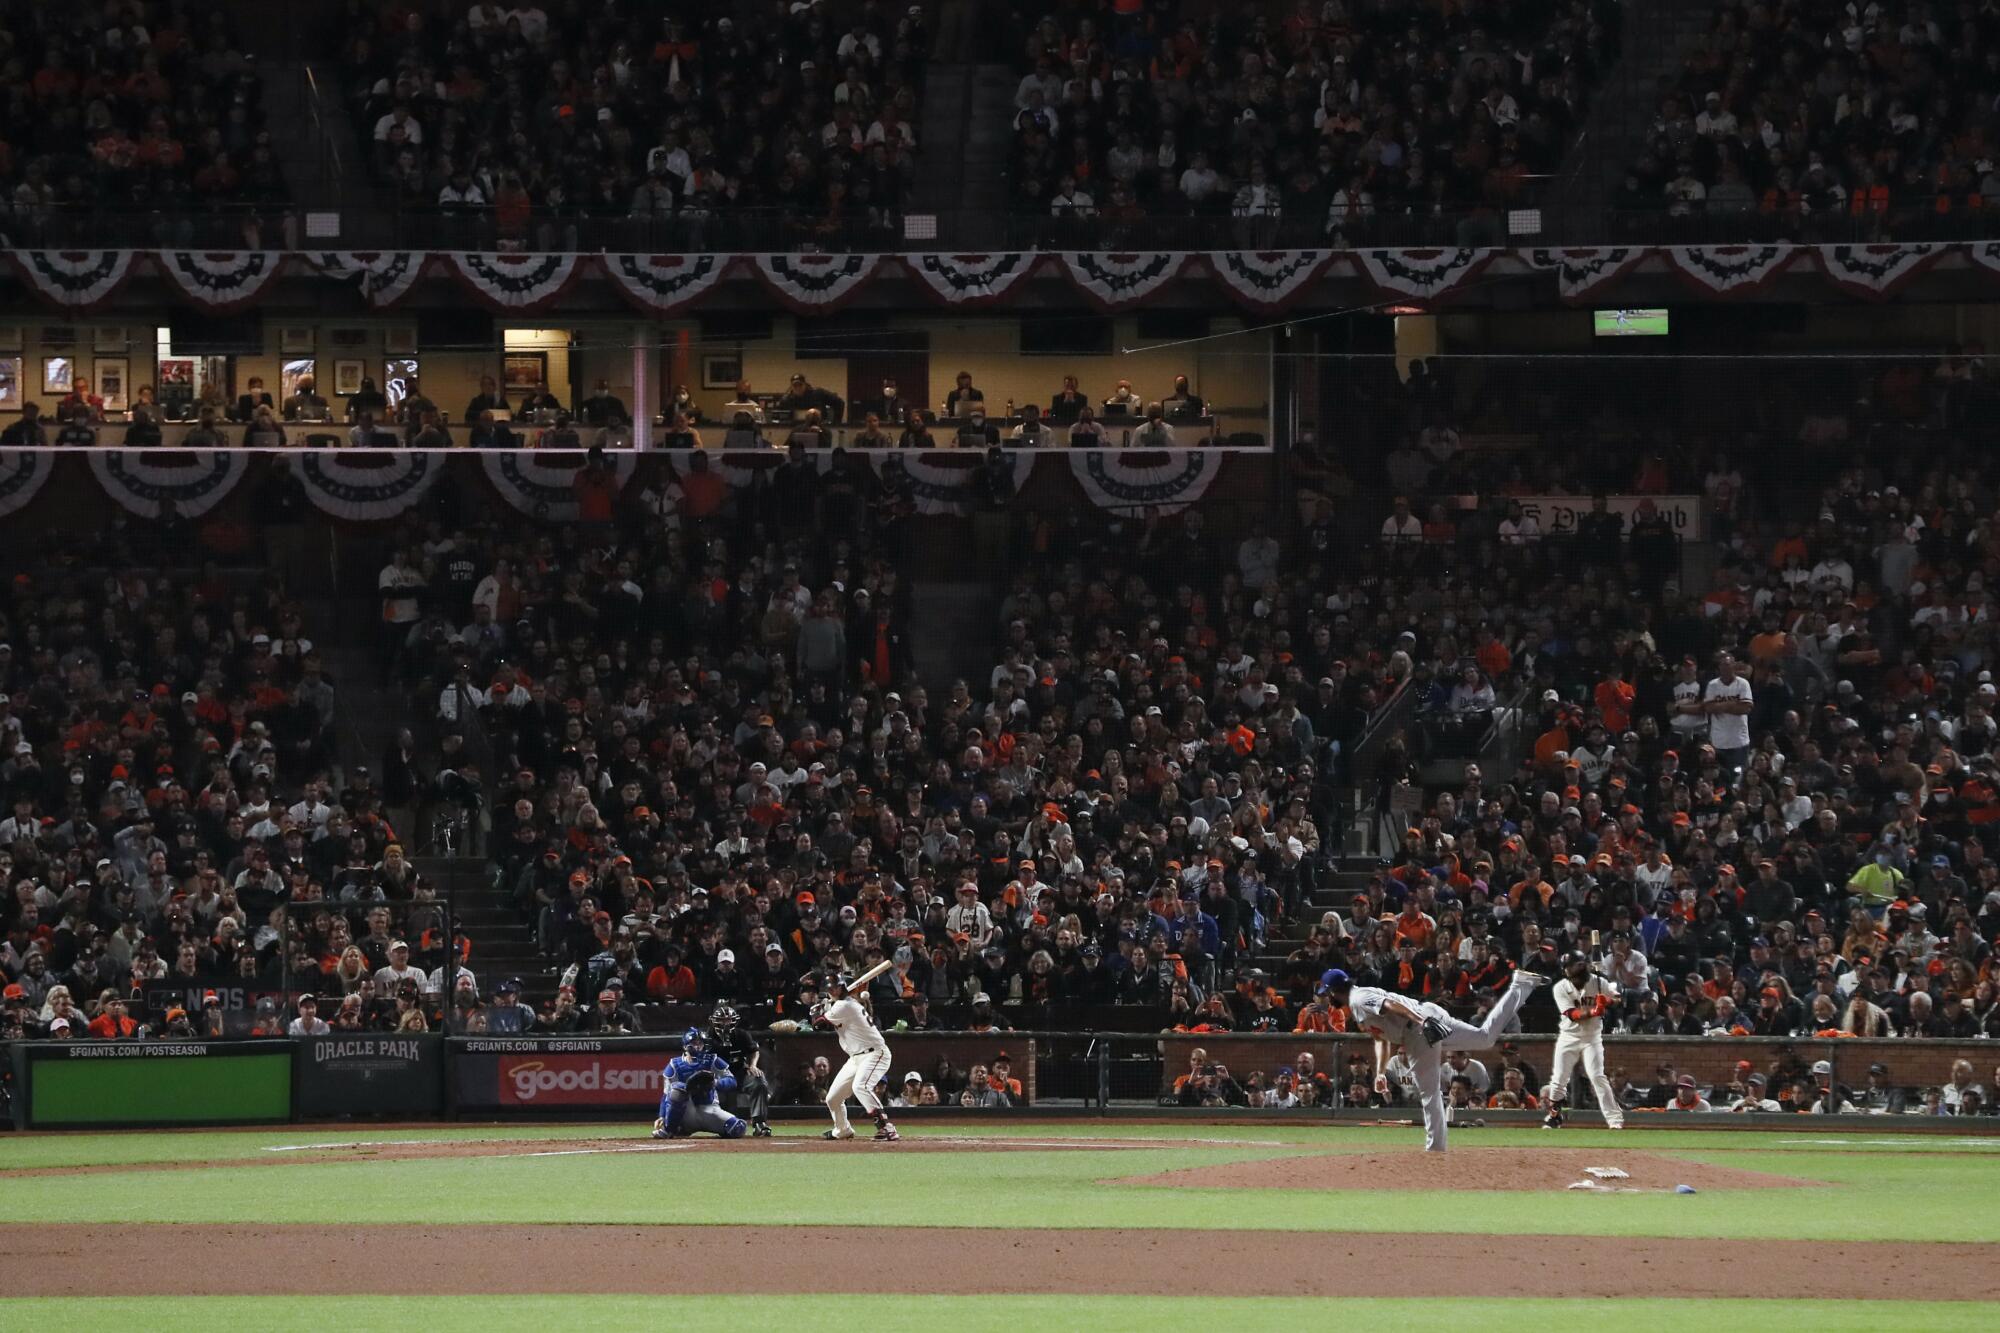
[1690, 713]
[867, 1059]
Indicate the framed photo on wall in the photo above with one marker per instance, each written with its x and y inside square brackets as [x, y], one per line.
[110, 338]
[113, 374]
[291, 372]
[58, 374]
[10, 383]
[722, 370]
[295, 339]
[10, 338]
[399, 341]
[347, 375]
[521, 371]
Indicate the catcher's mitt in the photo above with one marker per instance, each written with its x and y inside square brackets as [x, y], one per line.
[1434, 1030]
[701, 1086]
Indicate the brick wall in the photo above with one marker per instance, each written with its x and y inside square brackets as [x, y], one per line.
[1911, 1064]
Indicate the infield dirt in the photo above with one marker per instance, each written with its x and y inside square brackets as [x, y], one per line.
[359, 1258]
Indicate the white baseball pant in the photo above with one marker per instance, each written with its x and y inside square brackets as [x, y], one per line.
[857, 1078]
[1427, 1061]
[1571, 1047]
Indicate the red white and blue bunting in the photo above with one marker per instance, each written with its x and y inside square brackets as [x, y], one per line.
[1423, 275]
[1581, 271]
[75, 279]
[139, 481]
[1986, 254]
[1268, 280]
[970, 279]
[1118, 280]
[366, 485]
[536, 485]
[942, 480]
[1876, 272]
[1729, 270]
[1134, 483]
[1263, 282]
[386, 275]
[662, 284]
[810, 284]
[23, 473]
[511, 282]
[220, 281]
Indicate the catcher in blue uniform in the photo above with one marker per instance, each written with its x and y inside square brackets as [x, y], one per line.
[691, 1090]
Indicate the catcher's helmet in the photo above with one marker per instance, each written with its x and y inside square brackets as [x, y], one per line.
[694, 1042]
[724, 1018]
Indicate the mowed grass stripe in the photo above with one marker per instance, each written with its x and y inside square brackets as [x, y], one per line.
[1873, 1196]
[890, 1313]
[24, 1151]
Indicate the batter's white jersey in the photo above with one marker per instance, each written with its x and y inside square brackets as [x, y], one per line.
[1568, 996]
[856, 1030]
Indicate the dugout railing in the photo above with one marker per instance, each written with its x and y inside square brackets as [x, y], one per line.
[65, 1084]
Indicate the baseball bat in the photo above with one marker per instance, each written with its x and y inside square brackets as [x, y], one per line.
[861, 982]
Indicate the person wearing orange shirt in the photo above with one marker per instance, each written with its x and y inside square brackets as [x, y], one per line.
[1614, 696]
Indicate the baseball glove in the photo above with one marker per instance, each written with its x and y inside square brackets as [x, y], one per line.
[701, 1086]
[1434, 1030]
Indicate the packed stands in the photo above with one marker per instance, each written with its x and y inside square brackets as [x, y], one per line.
[1298, 124]
[533, 126]
[1824, 121]
[154, 117]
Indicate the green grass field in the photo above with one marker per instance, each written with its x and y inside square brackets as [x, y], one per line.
[1878, 1188]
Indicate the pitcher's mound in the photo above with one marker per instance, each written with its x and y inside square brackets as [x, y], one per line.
[1471, 1169]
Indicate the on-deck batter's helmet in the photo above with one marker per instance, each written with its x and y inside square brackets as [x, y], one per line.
[694, 1042]
[1334, 979]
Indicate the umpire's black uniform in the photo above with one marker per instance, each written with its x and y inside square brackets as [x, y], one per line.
[738, 1047]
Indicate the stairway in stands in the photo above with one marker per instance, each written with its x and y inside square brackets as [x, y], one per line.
[1656, 38]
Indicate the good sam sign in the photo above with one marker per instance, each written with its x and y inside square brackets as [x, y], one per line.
[568, 1075]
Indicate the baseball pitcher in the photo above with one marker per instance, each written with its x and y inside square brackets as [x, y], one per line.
[1425, 1031]
[691, 1089]
[867, 1059]
[739, 1050]
[1582, 998]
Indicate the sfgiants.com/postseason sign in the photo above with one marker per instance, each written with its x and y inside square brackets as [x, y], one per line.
[572, 1075]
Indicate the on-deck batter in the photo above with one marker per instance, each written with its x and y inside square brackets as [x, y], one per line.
[1425, 1032]
[1582, 998]
[867, 1061]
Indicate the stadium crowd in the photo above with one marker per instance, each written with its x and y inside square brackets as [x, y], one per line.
[1299, 124]
[527, 123]
[153, 115]
[688, 738]
[1825, 121]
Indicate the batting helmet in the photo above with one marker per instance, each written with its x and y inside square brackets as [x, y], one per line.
[1574, 960]
[694, 1042]
[844, 980]
[1334, 979]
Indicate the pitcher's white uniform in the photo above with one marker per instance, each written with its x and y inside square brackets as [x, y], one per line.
[1581, 1036]
[1366, 1007]
[867, 1060]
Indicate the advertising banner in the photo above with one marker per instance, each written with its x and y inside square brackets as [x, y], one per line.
[371, 1074]
[567, 1075]
[162, 1083]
